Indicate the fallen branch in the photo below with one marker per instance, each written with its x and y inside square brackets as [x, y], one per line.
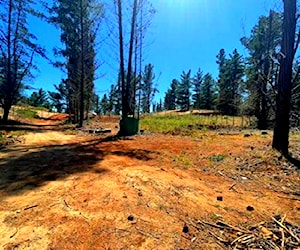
[67, 204]
[232, 186]
[209, 224]
[221, 223]
[14, 234]
[219, 238]
[286, 229]
[33, 206]
[147, 234]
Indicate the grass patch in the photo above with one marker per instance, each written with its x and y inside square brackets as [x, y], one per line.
[26, 113]
[217, 158]
[185, 123]
[182, 161]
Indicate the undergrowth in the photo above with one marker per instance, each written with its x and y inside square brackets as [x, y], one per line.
[26, 113]
[186, 123]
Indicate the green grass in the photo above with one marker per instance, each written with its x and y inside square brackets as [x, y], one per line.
[217, 158]
[186, 123]
[26, 113]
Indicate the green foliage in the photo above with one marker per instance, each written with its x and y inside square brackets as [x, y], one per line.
[59, 98]
[177, 124]
[207, 93]
[26, 113]
[18, 48]
[171, 96]
[262, 67]
[105, 106]
[39, 99]
[115, 98]
[183, 92]
[231, 72]
[197, 88]
[217, 158]
[148, 89]
[78, 21]
[295, 103]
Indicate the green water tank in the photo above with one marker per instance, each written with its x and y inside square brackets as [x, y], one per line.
[129, 126]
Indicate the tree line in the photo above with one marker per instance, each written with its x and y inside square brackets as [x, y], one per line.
[245, 85]
[265, 83]
[79, 24]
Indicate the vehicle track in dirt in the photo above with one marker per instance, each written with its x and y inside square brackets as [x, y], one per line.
[61, 191]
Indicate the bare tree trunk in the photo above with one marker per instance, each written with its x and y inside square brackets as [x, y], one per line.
[283, 100]
[5, 113]
[8, 100]
[82, 73]
[140, 59]
[122, 68]
[131, 45]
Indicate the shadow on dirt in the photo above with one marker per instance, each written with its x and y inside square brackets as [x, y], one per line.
[29, 170]
[293, 160]
[22, 126]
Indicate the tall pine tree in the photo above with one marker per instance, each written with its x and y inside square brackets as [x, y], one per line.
[184, 91]
[231, 72]
[170, 101]
[197, 85]
[78, 21]
[262, 66]
[18, 48]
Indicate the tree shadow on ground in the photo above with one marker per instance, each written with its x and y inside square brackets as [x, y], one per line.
[38, 128]
[293, 160]
[30, 170]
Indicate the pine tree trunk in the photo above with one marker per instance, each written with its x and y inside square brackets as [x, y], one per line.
[283, 100]
[82, 73]
[5, 114]
[262, 119]
[8, 95]
[129, 69]
[122, 67]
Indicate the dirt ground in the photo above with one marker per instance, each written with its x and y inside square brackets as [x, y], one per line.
[64, 191]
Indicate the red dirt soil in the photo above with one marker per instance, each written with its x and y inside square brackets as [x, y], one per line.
[59, 117]
[63, 191]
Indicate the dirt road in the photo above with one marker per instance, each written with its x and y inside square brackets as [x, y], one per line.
[63, 191]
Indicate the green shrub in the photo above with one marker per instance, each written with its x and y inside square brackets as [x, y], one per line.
[26, 113]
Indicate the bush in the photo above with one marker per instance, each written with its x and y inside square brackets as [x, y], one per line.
[26, 113]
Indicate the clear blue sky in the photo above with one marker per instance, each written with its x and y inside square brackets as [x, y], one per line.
[185, 34]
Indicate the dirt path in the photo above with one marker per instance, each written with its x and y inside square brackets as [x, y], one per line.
[63, 191]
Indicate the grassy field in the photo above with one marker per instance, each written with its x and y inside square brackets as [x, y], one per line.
[173, 123]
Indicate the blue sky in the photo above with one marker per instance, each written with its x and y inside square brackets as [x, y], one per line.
[185, 34]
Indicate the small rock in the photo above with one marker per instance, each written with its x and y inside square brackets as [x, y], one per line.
[185, 229]
[264, 132]
[140, 194]
[220, 198]
[250, 208]
[130, 218]
[252, 148]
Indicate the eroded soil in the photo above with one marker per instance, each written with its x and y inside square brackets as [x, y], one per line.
[61, 191]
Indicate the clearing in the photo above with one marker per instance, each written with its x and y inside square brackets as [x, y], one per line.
[60, 190]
